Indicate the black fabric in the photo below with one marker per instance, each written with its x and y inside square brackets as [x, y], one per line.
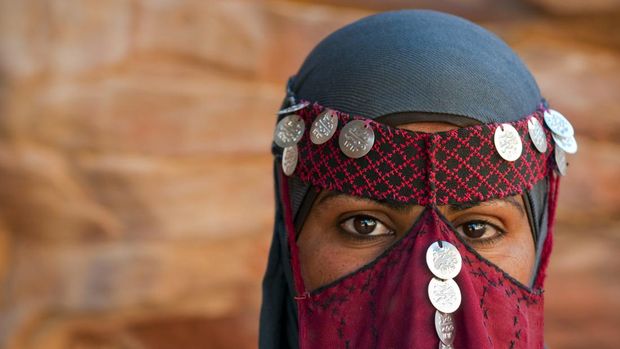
[278, 315]
[399, 67]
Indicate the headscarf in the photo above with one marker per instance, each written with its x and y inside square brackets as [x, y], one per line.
[400, 67]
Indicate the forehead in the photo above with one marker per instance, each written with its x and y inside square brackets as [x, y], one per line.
[430, 127]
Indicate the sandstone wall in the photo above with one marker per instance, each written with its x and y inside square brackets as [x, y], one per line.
[135, 191]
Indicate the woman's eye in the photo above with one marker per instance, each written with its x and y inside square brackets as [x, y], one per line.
[479, 230]
[366, 226]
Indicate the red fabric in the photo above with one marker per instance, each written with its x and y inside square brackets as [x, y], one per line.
[456, 166]
[386, 304]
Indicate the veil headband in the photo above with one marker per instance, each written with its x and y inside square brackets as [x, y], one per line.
[463, 165]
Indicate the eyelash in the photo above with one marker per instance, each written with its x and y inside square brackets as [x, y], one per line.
[361, 237]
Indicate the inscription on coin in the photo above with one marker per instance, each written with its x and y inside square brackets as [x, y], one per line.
[442, 345]
[290, 156]
[508, 142]
[444, 260]
[289, 131]
[558, 124]
[568, 144]
[537, 134]
[445, 295]
[444, 325]
[560, 160]
[356, 139]
[323, 127]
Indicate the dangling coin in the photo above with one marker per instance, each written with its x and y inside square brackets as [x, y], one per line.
[356, 139]
[444, 325]
[289, 131]
[568, 144]
[324, 127]
[558, 124]
[508, 142]
[294, 108]
[537, 134]
[445, 295]
[560, 160]
[290, 156]
[444, 261]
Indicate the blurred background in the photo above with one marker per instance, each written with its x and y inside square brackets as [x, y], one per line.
[136, 198]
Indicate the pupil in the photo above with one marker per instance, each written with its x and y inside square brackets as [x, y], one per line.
[475, 229]
[364, 225]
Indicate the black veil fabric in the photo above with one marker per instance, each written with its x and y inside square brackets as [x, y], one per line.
[399, 67]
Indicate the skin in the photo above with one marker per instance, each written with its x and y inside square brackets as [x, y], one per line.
[343, 233]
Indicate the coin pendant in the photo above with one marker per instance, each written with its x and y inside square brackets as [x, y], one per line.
[568, 144]
[444, 325]
[289, 131]
[444, 261]
[324, 127]
[356, 139]
[560, 160]
[558, 124]
[445, 295]
[537, 134]
[294, 108]
[290, 156]
[508, 142]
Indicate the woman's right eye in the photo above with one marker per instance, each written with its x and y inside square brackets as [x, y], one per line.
[363, 225]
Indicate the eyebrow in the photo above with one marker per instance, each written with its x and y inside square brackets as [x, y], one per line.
[509, 200]
[331, 195]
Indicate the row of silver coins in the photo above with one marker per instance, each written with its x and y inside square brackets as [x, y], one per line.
[563, 135]
[445, 262]
[356, 137]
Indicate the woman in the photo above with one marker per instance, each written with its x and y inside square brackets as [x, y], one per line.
[416, 182]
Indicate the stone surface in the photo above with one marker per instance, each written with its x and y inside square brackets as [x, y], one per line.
[581, 303]
[136, 199]
[572, 7]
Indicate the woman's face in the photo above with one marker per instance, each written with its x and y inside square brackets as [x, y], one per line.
[343, 233]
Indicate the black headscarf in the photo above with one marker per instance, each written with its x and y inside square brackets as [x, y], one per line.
[399, 67]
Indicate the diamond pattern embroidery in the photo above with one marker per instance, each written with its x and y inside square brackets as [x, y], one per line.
[407, 167]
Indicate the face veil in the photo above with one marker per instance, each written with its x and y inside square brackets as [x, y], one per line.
[361, 81]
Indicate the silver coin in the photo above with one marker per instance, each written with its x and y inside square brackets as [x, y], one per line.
[290, 156]
[294, 108]
[442, 345]
[568, 144]
[324, 127]
[444, 261]
[445, 295]
[560, 160]
[444, 325]
[508, 142]
[558, 124]
[289, 131]
[537, 134]
[356, 139]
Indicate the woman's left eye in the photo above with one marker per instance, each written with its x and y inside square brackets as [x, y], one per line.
[363, 225]
[479, 231]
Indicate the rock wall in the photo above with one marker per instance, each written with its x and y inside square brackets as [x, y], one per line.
[135, 176]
